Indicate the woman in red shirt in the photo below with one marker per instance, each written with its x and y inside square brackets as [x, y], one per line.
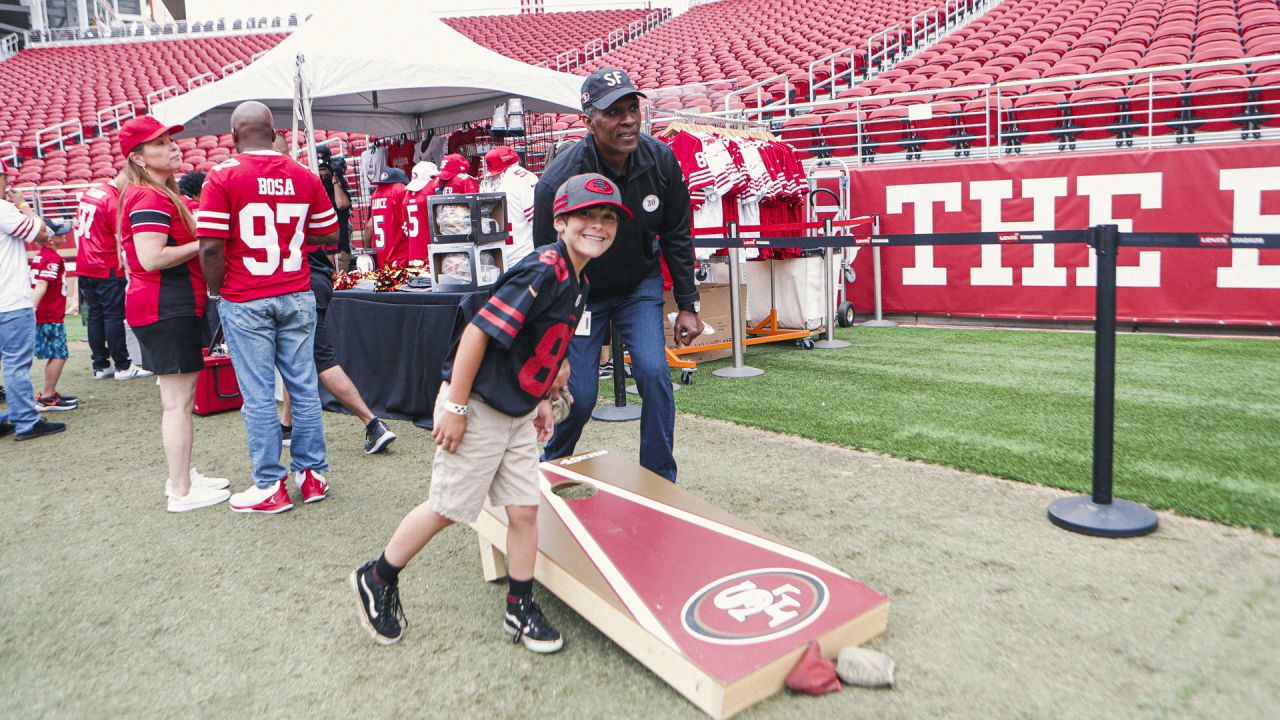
[166, 297]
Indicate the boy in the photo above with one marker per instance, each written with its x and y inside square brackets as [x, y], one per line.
[491, 407]
[48, 276]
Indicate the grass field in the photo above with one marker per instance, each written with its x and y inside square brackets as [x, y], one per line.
[1197, 419]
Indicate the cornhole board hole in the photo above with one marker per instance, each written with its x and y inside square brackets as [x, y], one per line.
[718, 609]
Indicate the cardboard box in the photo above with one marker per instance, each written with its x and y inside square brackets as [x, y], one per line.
[715, 313]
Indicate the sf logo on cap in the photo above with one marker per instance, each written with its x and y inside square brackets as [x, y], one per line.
[599, 185]
[613, 78]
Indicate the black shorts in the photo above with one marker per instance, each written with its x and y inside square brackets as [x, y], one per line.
[324, 353]
[173, 345]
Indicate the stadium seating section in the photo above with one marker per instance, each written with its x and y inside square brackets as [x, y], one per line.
[719, 47]
[540, 38]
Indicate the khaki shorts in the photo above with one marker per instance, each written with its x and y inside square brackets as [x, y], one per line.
[497, 458]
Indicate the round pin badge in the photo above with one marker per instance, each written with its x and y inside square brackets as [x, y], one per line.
[650, 203]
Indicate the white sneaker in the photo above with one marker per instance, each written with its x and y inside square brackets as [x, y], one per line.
[135, 371]
[199, 480]
[104, 374]
[213, 483]
[198, 497]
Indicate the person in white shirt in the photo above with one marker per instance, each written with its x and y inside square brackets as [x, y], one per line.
[504, 174]
[19, 225]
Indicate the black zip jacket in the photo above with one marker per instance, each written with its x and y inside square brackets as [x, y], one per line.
[654, 189]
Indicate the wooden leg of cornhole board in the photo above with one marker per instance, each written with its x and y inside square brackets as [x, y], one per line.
[723, 625]
[493, 562]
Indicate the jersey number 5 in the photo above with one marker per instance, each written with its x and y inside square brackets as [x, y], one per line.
[268, 241]
[539, 371]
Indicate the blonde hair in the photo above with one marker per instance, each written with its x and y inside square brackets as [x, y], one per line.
[135, 175]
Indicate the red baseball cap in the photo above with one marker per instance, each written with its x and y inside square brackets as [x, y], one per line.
[4, 169]
[499, 159]
[452, 166]
[142, 129]
[588, 190]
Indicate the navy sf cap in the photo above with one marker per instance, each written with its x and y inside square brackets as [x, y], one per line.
[605, 87]
[392, 176]
[588, 190]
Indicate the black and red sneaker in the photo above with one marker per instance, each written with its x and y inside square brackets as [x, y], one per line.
[525, 623]
[380, 611]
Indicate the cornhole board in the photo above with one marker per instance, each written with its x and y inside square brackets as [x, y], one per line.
[718, 609]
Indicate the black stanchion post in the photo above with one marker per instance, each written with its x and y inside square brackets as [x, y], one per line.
[1101, 514]
[620, 411]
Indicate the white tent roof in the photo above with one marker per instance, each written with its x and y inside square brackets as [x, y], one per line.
[415, 65]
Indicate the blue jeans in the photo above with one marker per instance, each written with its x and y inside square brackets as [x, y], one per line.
[639, 320]
[17, 347]
[262, 336]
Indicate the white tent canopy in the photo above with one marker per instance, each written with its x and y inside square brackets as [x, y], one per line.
[383, 69]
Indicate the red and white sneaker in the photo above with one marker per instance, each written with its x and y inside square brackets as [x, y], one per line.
[270, 500]
[312, 485]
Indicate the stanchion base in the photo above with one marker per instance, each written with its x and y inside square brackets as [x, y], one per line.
[1118, 519]
[737, 372]
[879, 323]
[616, 413]
[832, 344]
[633, 390]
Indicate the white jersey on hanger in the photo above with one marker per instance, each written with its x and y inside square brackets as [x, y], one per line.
[372, 162]
[518, 184]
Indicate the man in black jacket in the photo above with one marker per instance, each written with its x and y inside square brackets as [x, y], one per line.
[626, 281]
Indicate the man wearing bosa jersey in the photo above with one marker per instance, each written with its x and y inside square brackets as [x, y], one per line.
[257, 211]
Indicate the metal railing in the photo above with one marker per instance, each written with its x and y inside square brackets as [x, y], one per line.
[9, 46]
[114, 32]
[9, 152]
[161, 95]
[1210, 102]
[231, 67]
[59, 134]
[595, 47]
[112, 117]
[201, 79]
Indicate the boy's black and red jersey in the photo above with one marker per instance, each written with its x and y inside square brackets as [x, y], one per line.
[530, 317]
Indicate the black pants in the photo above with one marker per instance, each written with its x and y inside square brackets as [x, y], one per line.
[102, 302]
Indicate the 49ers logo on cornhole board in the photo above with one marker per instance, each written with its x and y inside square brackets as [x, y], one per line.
[720, 610]
[755, 606]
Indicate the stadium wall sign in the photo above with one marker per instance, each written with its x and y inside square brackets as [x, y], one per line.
[1210, 190]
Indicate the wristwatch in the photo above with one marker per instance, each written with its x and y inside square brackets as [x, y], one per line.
[694, 307]
[455, 408]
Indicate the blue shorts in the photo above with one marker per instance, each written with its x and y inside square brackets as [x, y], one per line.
[51, 341]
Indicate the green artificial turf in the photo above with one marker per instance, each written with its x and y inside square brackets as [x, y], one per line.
[1197, 419]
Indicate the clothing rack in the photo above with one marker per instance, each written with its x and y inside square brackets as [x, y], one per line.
[710, 123]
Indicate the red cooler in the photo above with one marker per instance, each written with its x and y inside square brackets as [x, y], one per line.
[217, 389]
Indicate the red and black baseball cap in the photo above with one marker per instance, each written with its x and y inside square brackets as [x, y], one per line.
[605, 87]
[141, 130]
[588, 190]
[452, 166]
[499, 159]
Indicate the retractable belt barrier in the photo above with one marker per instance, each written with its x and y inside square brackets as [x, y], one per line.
[1101, 514]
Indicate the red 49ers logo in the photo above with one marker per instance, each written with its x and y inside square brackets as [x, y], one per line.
[599, 185]
[754, 606]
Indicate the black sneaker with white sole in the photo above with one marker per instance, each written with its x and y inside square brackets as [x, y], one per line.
[380, 611]
[525, 623]
[606, 370]
[377, 436]
[286, 435]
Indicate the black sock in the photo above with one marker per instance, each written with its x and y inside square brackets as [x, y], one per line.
[371, 422]
[389, 574]
[517, 589]
[285, 428]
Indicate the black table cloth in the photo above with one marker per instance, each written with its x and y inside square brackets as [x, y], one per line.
[393, 345]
